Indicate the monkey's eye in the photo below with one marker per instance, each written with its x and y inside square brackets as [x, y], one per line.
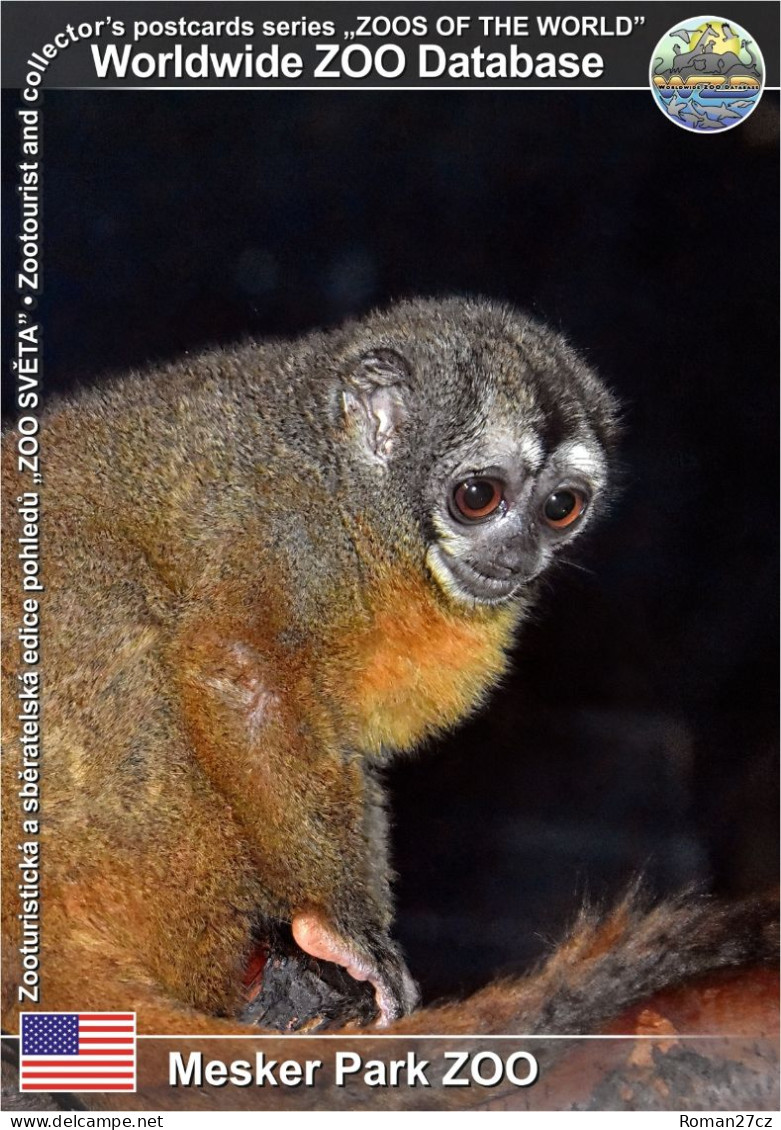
[478, 498]
[563, 507]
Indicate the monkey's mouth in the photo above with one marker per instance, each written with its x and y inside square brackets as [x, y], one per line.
[463, 581]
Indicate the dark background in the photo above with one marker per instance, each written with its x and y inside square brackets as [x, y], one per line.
[638, 731]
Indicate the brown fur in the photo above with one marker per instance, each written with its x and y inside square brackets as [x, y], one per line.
[685, 968]
[424, 671]
[240, 622]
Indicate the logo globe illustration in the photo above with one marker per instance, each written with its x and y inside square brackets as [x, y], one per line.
[707, 74]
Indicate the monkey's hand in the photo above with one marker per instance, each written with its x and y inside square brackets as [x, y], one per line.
[373, 958]
[289, 991]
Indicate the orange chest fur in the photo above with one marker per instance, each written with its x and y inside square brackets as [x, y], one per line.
[418, 668]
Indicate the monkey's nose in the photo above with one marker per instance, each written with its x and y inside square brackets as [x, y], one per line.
[519, 559]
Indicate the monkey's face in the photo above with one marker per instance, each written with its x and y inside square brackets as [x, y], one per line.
[503, 513]
[528, 471]
[491, 429]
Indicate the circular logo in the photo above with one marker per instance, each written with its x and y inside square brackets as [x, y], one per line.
[707, 74]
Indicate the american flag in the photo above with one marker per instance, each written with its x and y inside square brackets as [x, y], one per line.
[78, 1051]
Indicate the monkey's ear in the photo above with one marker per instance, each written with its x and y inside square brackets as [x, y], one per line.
[375, 401]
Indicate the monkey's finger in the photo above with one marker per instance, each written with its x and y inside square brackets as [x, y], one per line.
[395, 995]
[317, 937]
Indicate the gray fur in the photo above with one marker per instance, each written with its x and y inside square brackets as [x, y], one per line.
[476, 383]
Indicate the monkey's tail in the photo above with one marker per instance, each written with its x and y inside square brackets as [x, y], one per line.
[679, 970]
[607, 963]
